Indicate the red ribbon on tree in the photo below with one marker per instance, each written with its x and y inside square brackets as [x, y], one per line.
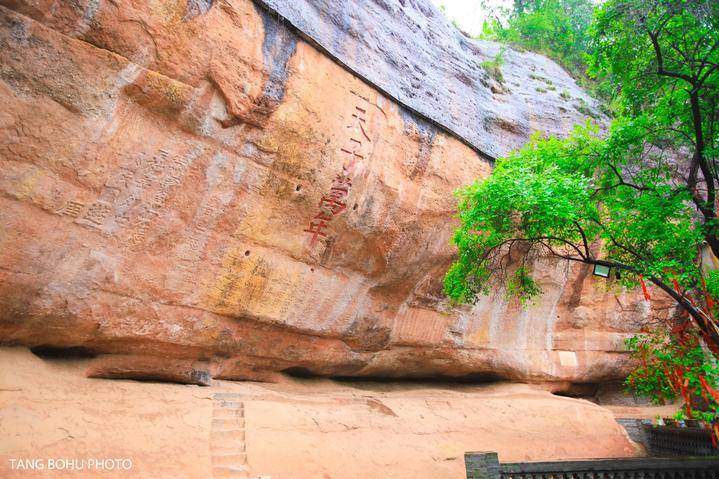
[709, 389]
[676, 286]
[644, 287]
[710, 301]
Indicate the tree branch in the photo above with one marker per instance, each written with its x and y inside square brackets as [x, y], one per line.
[660, 61]
[584, 239]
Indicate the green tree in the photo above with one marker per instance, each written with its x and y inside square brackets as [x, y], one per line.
[663, 56]
[556, 28]
[672, 364]
[642, 199]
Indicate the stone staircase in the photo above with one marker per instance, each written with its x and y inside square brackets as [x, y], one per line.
[227, 437]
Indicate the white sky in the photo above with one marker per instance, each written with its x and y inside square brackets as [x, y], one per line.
[470, 14]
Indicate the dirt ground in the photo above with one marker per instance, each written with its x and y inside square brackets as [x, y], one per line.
[302, 428]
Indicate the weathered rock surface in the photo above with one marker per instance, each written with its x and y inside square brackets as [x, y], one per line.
[301, 429]
[175, 182]
[150, 368]
[414, 55]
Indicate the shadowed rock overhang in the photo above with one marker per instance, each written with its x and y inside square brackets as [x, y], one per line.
[410, 51]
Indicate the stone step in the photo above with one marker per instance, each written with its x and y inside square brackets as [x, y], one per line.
[227, 434]
[239, 472]
[228, 423]
[225, 442]
[227, 437]
[228, 413]
[229, 405]
[236, 396]
[236, 459]
[225, 450]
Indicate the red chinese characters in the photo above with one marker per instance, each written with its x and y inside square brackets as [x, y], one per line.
[331, 205]
[358, 136]
[334, 202]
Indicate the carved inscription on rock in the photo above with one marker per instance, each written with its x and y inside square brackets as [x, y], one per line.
[134, 196]
[354, 150]
[167, 175]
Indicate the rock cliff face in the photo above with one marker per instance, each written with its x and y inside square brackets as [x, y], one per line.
[201, 181]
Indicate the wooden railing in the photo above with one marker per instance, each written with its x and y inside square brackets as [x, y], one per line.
[485, 465]
[679, 441]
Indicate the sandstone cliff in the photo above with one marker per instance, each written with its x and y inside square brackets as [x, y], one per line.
[301, 429]
[267, 186]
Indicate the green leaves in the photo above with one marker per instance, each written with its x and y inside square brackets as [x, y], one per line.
[561, 197]
[656, 52]
[535, 197]
[557, 28]
[670, 365]
[641, 198]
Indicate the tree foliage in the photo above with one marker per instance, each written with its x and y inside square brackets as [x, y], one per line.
[640, 198]
[672, 364]
[561, 197]
[663, 56]
[556, 28]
